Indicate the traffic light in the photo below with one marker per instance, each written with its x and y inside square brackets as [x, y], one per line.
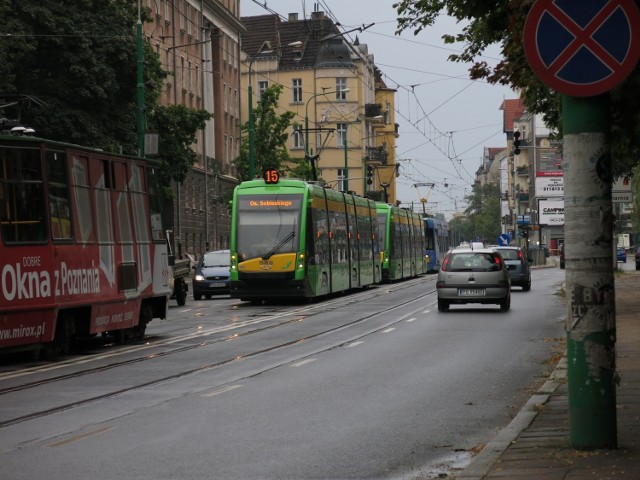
[369, 174]
[516, 143]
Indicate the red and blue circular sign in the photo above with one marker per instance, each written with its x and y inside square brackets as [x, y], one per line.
[582, 48]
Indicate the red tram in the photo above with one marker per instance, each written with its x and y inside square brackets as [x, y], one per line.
[82, 245]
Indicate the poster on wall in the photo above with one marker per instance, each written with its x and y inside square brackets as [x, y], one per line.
[551, 212]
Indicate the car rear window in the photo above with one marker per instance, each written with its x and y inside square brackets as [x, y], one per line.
[509, 254]
[474, 262]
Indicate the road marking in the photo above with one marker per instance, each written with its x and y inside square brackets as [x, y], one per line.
[79, 437]
[409, 320]
[303, 362]
[222, 390]
[426, 311]
[354, 344]
[388, 330]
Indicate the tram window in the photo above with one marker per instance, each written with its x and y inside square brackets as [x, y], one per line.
[59, 208]
[22, 196]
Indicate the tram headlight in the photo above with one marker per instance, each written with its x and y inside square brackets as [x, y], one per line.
[301, 260]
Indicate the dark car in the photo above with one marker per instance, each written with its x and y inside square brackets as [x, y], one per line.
[637, 257]
[519, 269]
[621, 254]
[212, 274]
[562, 255]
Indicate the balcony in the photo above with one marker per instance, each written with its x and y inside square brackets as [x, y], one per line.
[372, 110]
[376, 155]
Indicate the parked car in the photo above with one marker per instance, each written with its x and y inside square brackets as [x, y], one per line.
[473, 276]
[212, 274]
[519, 269]
[637, 257]
[562, 255]
[622, 254]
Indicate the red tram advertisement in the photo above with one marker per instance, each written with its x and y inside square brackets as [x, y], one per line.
[82, 245]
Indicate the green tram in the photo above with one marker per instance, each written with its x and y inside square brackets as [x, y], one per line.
[290, 238]
[296, 239]
[401, 237]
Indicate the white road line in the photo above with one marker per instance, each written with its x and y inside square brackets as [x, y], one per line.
[222, 390]
[426, 311]
[409, 320]
[303, 362]
[354, 344]
[388, 330]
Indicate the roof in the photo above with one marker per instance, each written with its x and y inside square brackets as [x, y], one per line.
[513, 109]
[320, 38]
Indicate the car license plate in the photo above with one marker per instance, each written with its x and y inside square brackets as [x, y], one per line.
[216, 285]
[471, 292]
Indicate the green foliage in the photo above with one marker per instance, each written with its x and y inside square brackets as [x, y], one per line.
[74, 75]
[177, 127]
[270, 137]
[501, 22]
[483, 212]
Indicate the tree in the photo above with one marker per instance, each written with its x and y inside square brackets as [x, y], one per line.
[177, 126]
[501, 22]
[483, 212]
[72, 77]
[270, 136]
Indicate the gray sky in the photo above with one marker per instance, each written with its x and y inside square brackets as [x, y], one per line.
[445, 119]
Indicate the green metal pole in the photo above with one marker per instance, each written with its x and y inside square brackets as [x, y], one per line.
[252, 153]
[139, 87]
[306, 134]
[591, 328]
[346, 163]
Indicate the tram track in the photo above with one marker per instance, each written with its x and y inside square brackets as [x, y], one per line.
[296, 315]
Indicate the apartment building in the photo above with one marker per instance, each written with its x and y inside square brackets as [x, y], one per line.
[344, 112]
[198, 42]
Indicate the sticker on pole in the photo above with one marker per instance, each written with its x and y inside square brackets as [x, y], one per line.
[582, 48]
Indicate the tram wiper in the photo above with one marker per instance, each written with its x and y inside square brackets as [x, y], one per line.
[280, 244]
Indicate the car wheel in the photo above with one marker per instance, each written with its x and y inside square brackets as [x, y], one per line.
[505, 303]
[443, 305]
[196, 296]
[527, 286]
[637, 265]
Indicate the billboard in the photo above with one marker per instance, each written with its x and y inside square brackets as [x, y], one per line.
[551, 212]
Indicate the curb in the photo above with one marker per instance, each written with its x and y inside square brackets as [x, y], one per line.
[490, 454]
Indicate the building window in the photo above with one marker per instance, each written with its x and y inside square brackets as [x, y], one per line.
[262, 86]
[296, 87]
[341, 86]
[341, 133]
[298, 141]
[341, 180]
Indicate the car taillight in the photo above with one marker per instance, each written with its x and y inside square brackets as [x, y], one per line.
[520, 255]
[445, 263]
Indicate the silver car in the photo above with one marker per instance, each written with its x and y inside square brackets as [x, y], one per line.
[473, 276]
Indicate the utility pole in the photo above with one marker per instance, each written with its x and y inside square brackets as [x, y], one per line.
[139, 86]
[553, 51]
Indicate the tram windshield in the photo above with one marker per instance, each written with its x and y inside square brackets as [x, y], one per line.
[267, 225]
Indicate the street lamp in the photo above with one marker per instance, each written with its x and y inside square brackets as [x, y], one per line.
[139, 87]
[306, 115]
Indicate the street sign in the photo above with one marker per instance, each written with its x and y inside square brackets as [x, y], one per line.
[582, 48]
[504, 240]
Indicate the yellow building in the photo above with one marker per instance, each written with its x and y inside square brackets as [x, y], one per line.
[344, 112]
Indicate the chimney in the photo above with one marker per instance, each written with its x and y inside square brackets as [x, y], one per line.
[317, 15]
[293, 17]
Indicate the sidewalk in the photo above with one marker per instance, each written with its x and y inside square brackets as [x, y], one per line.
[535, 445]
